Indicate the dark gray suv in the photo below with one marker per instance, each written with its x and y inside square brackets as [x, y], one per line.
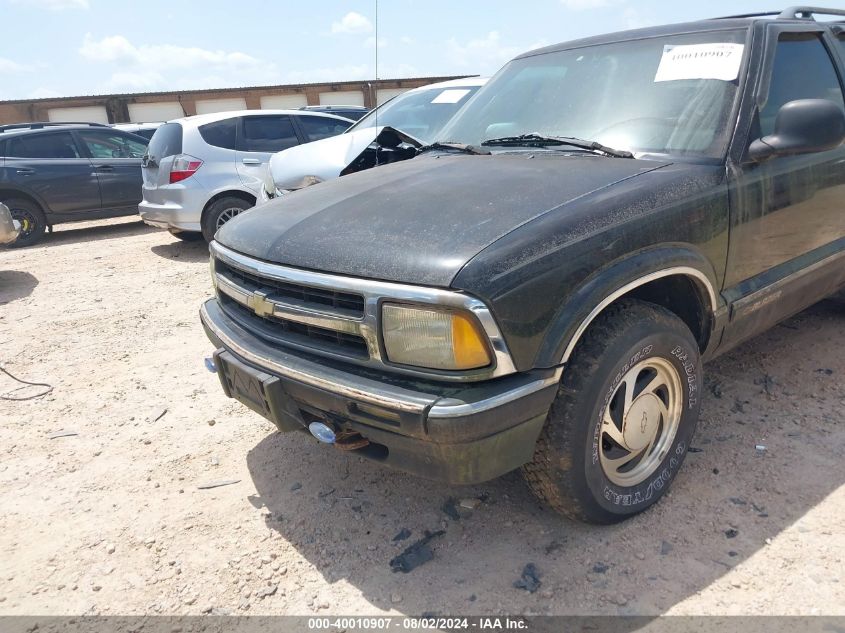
[52, 173]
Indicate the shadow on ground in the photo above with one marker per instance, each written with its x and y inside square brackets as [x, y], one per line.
[188, 251]
[342, 513]
[71, 234]
[15, 284]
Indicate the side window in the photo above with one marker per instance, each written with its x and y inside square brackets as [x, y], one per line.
[56, 145]
[102, 144]
[267, 134]
[802, 69]
[220, 133]
[317, 127]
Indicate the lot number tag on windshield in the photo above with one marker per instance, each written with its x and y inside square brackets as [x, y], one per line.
[700, 61]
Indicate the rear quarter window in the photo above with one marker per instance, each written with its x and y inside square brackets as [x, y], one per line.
[166, 141]
[220, 133]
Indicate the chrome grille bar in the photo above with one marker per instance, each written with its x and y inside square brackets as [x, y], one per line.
[262, 302]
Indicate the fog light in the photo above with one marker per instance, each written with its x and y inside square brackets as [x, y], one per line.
[322, 432]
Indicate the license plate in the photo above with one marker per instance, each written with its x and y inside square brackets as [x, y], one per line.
[263, 393]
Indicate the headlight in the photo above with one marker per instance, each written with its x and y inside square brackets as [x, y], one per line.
[433, 338]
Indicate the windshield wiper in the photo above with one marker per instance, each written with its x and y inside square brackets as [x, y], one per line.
[538, 140]
[455, 147]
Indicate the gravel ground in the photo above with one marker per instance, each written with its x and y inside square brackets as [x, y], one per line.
[112, 520]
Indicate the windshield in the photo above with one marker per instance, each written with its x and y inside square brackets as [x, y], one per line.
[671, 94]
[421, 114]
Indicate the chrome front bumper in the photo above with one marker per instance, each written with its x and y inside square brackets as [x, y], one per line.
[467, 400]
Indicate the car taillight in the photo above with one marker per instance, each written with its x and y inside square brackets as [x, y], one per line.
[183, 167]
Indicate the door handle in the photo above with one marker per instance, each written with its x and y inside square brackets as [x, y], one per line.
[24, 171]
[105, 168]
[251, 161]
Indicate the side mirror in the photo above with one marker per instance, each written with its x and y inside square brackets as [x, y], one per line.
[802, 127]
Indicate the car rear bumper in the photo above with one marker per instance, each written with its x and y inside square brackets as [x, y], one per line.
[458, 434]
[178, 208]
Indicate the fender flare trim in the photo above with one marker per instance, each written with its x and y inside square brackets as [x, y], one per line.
[686, 271]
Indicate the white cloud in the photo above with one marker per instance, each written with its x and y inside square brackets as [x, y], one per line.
[148, 67]
[406, 40]
[353, 23]
[9, 66]
[55, 5]
[485, 55]
[118, 49]
[585, 5]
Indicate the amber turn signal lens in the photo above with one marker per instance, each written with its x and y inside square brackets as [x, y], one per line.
[433, 338]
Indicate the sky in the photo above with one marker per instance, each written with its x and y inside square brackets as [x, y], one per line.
[53, 48]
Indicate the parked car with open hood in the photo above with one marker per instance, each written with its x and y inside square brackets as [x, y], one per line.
[539, 290]
[201, 171]
[390, 133]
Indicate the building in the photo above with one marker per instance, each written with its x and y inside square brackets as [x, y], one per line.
[162, 106]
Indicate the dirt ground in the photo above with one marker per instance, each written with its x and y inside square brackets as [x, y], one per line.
[111, 519]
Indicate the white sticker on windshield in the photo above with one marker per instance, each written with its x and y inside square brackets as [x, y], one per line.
[700, 61]
[450, 96]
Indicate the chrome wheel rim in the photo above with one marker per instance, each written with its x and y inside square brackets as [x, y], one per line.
[640, 422]
[227, 215]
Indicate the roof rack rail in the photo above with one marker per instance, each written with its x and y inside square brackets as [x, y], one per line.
[759, 14]
[42, 124]
[807, 13]
[792, 13]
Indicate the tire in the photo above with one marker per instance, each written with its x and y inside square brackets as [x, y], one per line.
[32, 219]
[220, 212]
[187, 236]
[633, 343]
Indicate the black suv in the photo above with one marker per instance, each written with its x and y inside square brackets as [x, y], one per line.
[64, 172]
[538, 290]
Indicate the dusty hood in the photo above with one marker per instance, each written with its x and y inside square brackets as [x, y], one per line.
[421, 220]
[321, 160]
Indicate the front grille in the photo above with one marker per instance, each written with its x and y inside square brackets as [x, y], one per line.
[344, 303]
[275, 329]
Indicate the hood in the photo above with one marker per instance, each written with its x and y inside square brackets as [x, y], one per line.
[419, 221]
[305, 164]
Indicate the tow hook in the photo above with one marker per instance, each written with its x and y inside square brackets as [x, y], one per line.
[350, 441]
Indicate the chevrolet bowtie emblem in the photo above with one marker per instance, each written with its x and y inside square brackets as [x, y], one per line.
[259, 304]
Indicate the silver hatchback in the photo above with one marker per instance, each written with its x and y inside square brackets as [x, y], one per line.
[201, 171]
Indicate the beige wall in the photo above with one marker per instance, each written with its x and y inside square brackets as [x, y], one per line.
[283, 102]
[95, 114]
[342, 97]
[123, 108]
[163, 111]
[207, 106]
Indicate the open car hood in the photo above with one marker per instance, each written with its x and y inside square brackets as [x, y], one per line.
[327, 158]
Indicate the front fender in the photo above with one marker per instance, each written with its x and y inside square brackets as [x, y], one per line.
[619, 278]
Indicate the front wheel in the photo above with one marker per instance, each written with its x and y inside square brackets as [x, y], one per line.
[623, 418]
[32, 220]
